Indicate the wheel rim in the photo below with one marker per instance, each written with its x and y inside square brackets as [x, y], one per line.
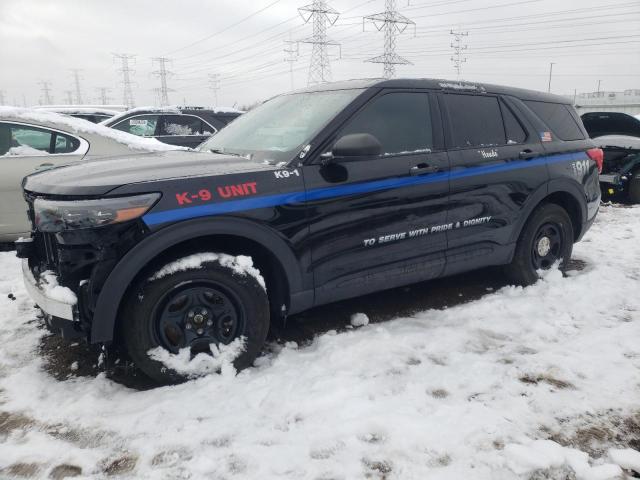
[195, 315]
[547, 246]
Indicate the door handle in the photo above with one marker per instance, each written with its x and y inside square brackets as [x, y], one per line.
[422, 169]
[42, 166]
[527, 154]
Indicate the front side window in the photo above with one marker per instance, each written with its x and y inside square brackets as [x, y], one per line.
[182, 125]
[279, 128]
[141, 125]
[24, 140]
[400, 121]
[476, 121]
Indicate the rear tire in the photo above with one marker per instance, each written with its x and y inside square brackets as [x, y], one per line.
[192, 309]
[634, 186]
[547, 237]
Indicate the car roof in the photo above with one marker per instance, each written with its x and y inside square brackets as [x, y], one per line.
[439, 84]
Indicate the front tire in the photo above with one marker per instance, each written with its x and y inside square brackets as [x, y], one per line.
[547, 238]
[192, 309]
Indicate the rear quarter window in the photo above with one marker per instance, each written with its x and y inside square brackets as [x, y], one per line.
[558, 118]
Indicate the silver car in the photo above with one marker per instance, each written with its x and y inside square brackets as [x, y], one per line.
[32, 140]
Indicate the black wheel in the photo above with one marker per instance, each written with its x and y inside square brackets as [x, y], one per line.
[194, 309]
[634, 186]
[547, 238]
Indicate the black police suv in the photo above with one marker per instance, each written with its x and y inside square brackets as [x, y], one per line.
[333, 192]
[182, 126]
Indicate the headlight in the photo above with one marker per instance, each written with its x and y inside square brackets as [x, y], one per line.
[59, 215]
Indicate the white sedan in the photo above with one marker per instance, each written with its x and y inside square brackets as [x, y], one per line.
[32, 140]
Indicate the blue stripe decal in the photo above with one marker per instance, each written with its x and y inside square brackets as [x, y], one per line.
[344, 190]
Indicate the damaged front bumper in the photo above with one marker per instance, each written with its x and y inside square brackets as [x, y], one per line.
[60, 316]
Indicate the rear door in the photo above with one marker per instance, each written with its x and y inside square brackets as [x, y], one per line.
[25, 149]
[497, 162]
[378, 222]
[183, 130]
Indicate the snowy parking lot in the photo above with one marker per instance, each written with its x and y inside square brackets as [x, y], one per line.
[499, 383]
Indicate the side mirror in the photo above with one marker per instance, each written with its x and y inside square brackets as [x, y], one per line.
[357, 145]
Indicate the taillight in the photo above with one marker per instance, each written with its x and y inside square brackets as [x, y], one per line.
[597, 155]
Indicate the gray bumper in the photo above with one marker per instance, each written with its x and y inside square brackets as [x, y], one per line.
[613, 179]
[50, 306]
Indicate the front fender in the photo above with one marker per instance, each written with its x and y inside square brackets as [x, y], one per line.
[128, 267]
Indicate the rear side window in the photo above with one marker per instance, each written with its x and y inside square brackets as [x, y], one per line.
[182, 125]
[24, 140]
[400, 121]
[513, 129]
[558, 118]
[65, 144]
[476, 121]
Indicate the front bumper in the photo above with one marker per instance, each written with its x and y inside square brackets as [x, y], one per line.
[50, 306]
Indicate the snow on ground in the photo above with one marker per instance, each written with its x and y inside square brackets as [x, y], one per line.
[533, 383]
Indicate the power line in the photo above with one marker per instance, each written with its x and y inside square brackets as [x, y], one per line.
[76, 81]
[214, 86]
[45, 87]
[292, 55]
[225, 29]
[162, 73]
[458, 49]
[103, 96]
[322, 16]
[393, 23]
[125, 70]
[69, 94]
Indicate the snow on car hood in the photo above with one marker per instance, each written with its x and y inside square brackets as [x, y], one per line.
[80, 126]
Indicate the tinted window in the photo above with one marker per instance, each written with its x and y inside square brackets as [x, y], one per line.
[515, 132]
[181, 125]
[400, 121]
[476, 120]
[558, 118]
[141, 125]
[65, 144]
[24, 140]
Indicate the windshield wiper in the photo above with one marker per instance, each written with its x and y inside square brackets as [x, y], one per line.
[222, 152]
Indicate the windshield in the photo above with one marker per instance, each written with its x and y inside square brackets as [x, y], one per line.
[279, 128]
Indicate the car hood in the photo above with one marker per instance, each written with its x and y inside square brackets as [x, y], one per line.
[98, 177]
[618, 141]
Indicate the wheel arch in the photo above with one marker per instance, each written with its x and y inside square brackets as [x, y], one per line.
[562, 192]
[271, 253]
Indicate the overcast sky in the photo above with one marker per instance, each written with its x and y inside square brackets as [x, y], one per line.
[510, 42]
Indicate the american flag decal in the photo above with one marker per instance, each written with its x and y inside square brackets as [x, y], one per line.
[545, 136]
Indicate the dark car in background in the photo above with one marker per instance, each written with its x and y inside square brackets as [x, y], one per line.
[618, 134]
[182, 126]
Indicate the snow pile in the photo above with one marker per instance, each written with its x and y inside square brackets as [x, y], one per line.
[25, 150]
[359, 320]
[546, 455]
[627, 458]
[220, 360]
[80, 126]
[49, 283]
[241, 264]
[474, 391]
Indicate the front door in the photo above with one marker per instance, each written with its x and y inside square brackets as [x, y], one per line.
[497, 163]
[25, 149]
[380, 222]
